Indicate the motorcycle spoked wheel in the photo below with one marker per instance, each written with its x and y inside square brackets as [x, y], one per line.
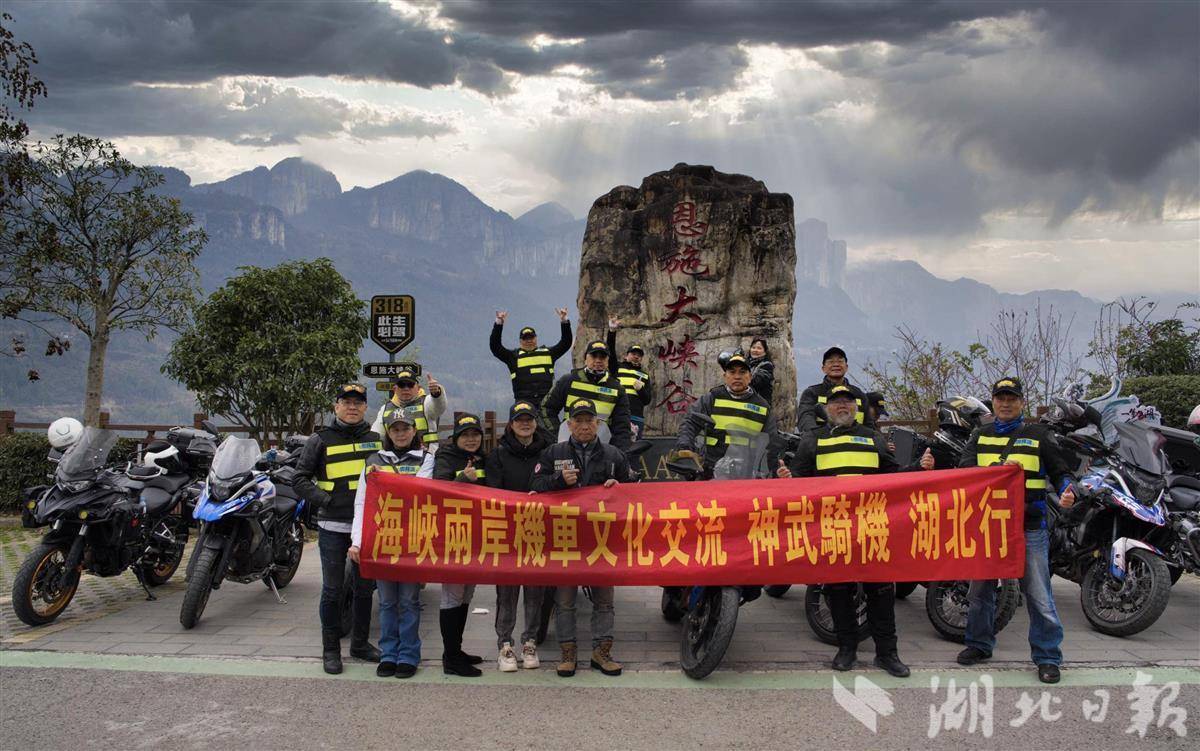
[43, 588]
[1129, 607]
[674, 604]
[777, 590]
[820, 618]
[947, 606]
[160, 570]
[295, 544]
[708, 631]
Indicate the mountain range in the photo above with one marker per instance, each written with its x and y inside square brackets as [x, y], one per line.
[427, 235]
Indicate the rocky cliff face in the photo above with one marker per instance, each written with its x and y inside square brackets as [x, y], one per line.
[694, 262]
[819, 259]
[291, 186]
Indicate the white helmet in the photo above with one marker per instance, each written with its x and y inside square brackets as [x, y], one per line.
[1194, 420]
[163, 460]
[64, 432]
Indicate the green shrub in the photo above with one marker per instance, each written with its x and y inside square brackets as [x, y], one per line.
[23, 464]
[1174, 395]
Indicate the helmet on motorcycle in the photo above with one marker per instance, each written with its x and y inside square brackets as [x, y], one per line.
[1194, 420]
[64, 432]
[162, 455]
[963, 412]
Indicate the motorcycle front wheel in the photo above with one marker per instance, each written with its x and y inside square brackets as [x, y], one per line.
[1124, 608]
[199, 586]
[708, 631]
[43, 588]
[947, 607]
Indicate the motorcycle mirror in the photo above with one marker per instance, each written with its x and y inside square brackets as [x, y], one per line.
[209, 426]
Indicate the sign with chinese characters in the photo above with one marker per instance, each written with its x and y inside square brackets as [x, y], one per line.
[389, 369]
[912, 526]
[392, 320]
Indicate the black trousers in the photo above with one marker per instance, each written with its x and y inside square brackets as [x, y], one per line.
[881, 614]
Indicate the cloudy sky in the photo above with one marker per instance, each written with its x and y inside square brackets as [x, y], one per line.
[1026, 144]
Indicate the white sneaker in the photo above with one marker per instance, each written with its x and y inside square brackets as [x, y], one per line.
[529, 658]
[507, 661]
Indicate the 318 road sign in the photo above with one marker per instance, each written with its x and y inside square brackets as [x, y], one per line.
[392, 320]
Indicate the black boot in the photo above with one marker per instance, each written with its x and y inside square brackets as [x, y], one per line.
[453, 660]
[331, 650]
[845, 658]
[463, 614]
[360, 646]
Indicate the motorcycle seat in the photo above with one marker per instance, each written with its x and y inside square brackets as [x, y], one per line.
[1183, 481]
[169, 483]
[156, 500]
[284, 506]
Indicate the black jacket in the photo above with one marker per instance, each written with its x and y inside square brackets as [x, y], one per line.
[618, 421]
[1054, 467]
[638, 399]
[603, 463]
[804, 463]
[338, 506]
[510, 465]
[689, 438]
[762, 377]
[450, 461]
[806, 412]
[534, 390]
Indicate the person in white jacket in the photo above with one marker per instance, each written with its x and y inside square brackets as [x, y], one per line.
[399, 602]
[428, 404]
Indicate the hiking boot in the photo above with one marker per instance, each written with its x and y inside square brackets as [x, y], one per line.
[529, 656]
[507, 661]
[891, 664]
[566, 665]
[331, 651]
[602, 659]
[972, 656]
[845, 658]
[364, 650]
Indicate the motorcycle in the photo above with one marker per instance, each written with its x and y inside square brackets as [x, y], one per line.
[103, 521]
[709, 613]
[250, 528]
[1119, 540]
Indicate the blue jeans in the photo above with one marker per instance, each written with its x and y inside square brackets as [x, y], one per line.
[1045, 629]
[399, 622]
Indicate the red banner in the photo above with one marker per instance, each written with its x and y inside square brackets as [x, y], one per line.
[911, 526]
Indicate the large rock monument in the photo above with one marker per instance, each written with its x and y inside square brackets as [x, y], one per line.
[694, 262]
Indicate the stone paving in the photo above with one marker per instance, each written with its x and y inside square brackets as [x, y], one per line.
[112, 616]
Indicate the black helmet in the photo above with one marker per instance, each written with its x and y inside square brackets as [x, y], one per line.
[963, 412]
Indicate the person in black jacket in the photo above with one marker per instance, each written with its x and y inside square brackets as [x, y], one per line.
[634, 379]
[327, 476]
[762, 370]
[596, 384]
[582, 461]
[510, 466]
[530, 366]
[461, 461]
[844, 448]
[834, 365]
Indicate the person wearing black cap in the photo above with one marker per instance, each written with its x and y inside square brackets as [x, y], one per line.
[595, 383]
[399, 602]
[327, 476]
[461, 461]
[1009, 439]
[509, 466]
[732, 406]
[833, 365]
[582, 461]
[530, 366]
[843, 448]
[427, 405]
[633, 378]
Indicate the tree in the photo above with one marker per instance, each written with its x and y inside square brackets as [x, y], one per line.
[924, 373]
[268, 349]
[110, 255]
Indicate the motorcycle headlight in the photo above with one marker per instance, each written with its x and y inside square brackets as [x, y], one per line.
[78, 486]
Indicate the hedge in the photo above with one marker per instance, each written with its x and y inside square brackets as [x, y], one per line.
[1174, 395]
[23, 464]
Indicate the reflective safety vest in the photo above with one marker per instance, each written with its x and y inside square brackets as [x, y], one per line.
[630, 376]
[735, 415]
[858, 416]
[1026, 450]
[344, 463]
[429, 435]
[407, 465]
[847, 456]
[534, 365]
[604, 394]
[479, 474]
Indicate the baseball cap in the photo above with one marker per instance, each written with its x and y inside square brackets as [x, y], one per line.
[597, 348]
[521, 408]
[841, 392]
[527, 332]
[583, 407]
[832, 351]
[1008, 385]
[465, 422]
[352, 391]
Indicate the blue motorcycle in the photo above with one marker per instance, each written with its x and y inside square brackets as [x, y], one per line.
[250, 526]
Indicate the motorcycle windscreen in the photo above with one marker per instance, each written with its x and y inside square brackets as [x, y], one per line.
[745, 456]
[235, 456]
[1140, 444]
[87, 455]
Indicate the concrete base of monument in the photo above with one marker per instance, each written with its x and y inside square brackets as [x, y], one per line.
[244, 621]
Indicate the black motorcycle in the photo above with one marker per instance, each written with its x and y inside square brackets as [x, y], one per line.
[250, 527]
[102, 521]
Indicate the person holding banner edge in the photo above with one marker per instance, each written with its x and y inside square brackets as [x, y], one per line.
[583, 461]
[461, 461]
[841, 448]
[1010, 440]
[399, 602]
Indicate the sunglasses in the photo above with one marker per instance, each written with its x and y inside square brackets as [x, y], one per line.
[406, 384]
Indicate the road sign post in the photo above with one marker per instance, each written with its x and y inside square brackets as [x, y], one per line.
[393, 321]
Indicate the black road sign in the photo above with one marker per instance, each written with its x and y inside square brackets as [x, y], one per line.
[392, 320]
[389, 369]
